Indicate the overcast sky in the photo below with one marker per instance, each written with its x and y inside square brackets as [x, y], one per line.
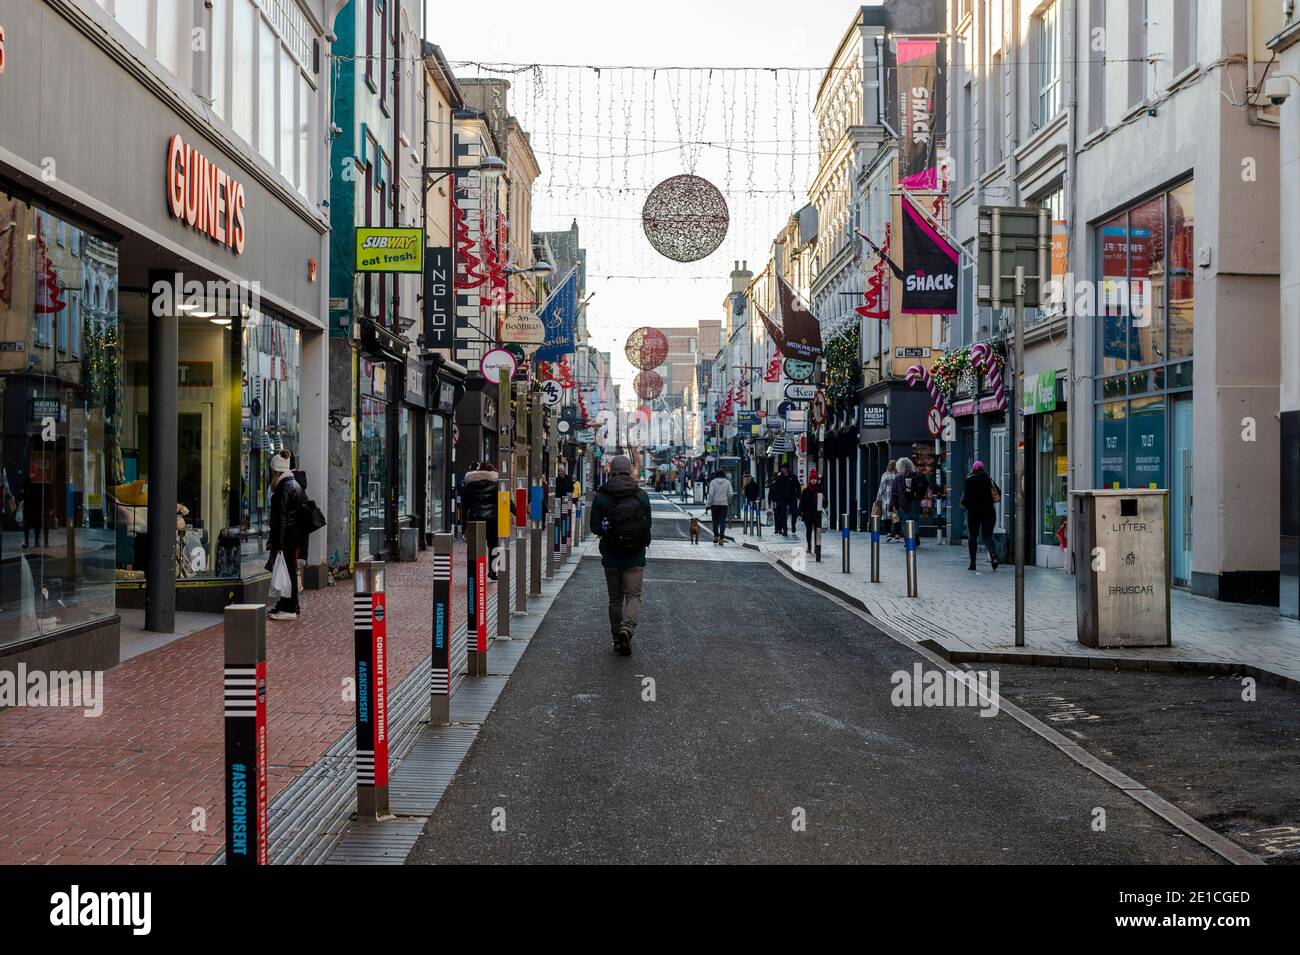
[605, 139]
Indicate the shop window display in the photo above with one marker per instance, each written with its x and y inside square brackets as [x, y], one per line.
[60, 414]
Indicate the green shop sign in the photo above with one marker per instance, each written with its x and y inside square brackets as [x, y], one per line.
[1040, 392]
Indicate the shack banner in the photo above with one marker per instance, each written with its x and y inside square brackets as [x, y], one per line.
[930, 267]
[918, 88]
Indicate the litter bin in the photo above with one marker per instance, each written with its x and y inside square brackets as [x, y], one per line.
[407, 539]
[1122, 575]
[698, 492]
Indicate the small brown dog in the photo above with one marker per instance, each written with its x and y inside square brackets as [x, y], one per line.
[695, 530]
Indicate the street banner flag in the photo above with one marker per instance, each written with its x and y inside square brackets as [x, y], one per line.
[930, 267]
[917, 79]
[560, 316]
[797, 332]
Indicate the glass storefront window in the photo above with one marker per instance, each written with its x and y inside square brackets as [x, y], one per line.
[59, 411]
[437, 471]
[1182, 249]
[1114, 272]
[1113, 444]
[1053, 475]
[1147, 283]
[372, 459]
[206, 468]
[1146, 443]
[270, 405]
[405, 462]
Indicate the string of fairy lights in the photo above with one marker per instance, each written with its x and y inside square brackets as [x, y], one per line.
[605, 136]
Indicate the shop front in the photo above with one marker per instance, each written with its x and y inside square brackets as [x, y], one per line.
[446, 387]
[894, 423]
[1047, 467]
[158, 329]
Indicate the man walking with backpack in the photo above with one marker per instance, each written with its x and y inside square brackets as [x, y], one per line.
[620, 517]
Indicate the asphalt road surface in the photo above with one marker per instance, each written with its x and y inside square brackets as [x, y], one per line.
[771, 708]
[1223, 751]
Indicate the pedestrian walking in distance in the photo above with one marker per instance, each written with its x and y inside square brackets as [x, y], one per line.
[286, 539]
[481, 505]
[979, 497]
[620, 517]
[810, 507]
[563, 485]
[883, 495]
[752, 492]
[910, 488]
[783, 495]
[719, 501]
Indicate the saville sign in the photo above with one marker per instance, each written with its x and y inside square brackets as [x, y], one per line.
[204, 196]
[381, 249]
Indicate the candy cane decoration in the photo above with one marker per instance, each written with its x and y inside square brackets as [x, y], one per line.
[921, 373]
[985, 359]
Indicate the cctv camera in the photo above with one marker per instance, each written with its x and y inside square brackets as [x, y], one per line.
[1277, 89]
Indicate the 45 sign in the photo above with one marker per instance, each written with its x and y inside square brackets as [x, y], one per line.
[551, 393]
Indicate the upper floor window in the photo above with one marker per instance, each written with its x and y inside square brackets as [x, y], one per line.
[1049, 63]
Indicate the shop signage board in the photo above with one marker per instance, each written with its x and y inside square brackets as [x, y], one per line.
[800, 392]
[748, 422]
[551, 393]
[204, 196]
[796, 421]
[523, 328]
[491, 364]
[439, 297]
[1040, 392]
[875, 416]
[986, 405]
[389, 249]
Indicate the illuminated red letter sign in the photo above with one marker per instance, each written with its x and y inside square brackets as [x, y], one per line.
[204, 196]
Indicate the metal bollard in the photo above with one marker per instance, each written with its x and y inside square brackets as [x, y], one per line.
[246, 757]
[758, 527]
[844, 543]
[440, 667]
[370, 632]
[909, 531]
[553, 537]
[817, 543]
[535, 541]
[476, 597]
[501, 565]
[875, 549]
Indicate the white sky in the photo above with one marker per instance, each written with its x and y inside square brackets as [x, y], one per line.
[592, 132]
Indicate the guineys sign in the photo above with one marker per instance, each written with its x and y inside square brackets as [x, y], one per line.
[203, 196]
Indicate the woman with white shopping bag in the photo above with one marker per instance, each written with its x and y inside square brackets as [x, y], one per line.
[286, 504]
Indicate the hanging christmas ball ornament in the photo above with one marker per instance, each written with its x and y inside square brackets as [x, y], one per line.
[646, 348]
[685, 218]
[648, 385]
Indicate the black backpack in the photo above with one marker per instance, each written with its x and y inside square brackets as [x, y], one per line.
[629, 526]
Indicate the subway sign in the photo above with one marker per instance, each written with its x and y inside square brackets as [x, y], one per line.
[204, 196]
[381, 249]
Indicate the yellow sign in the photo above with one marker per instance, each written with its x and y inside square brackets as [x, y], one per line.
[390, 250]
[503, 514]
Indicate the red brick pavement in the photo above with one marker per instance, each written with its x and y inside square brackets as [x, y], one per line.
[122, 787]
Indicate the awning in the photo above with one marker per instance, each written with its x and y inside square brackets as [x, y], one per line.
[781, 444]
[379, 343]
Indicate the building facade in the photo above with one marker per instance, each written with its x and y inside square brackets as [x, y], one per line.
[1140, 127]
[161, 287]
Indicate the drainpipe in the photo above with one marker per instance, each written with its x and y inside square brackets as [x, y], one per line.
[1071, 171]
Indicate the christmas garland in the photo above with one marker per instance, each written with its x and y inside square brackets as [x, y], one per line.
[841, 365]
[949, 368]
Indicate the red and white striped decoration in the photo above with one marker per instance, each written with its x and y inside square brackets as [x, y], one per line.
[921, 373]
[985, 359]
